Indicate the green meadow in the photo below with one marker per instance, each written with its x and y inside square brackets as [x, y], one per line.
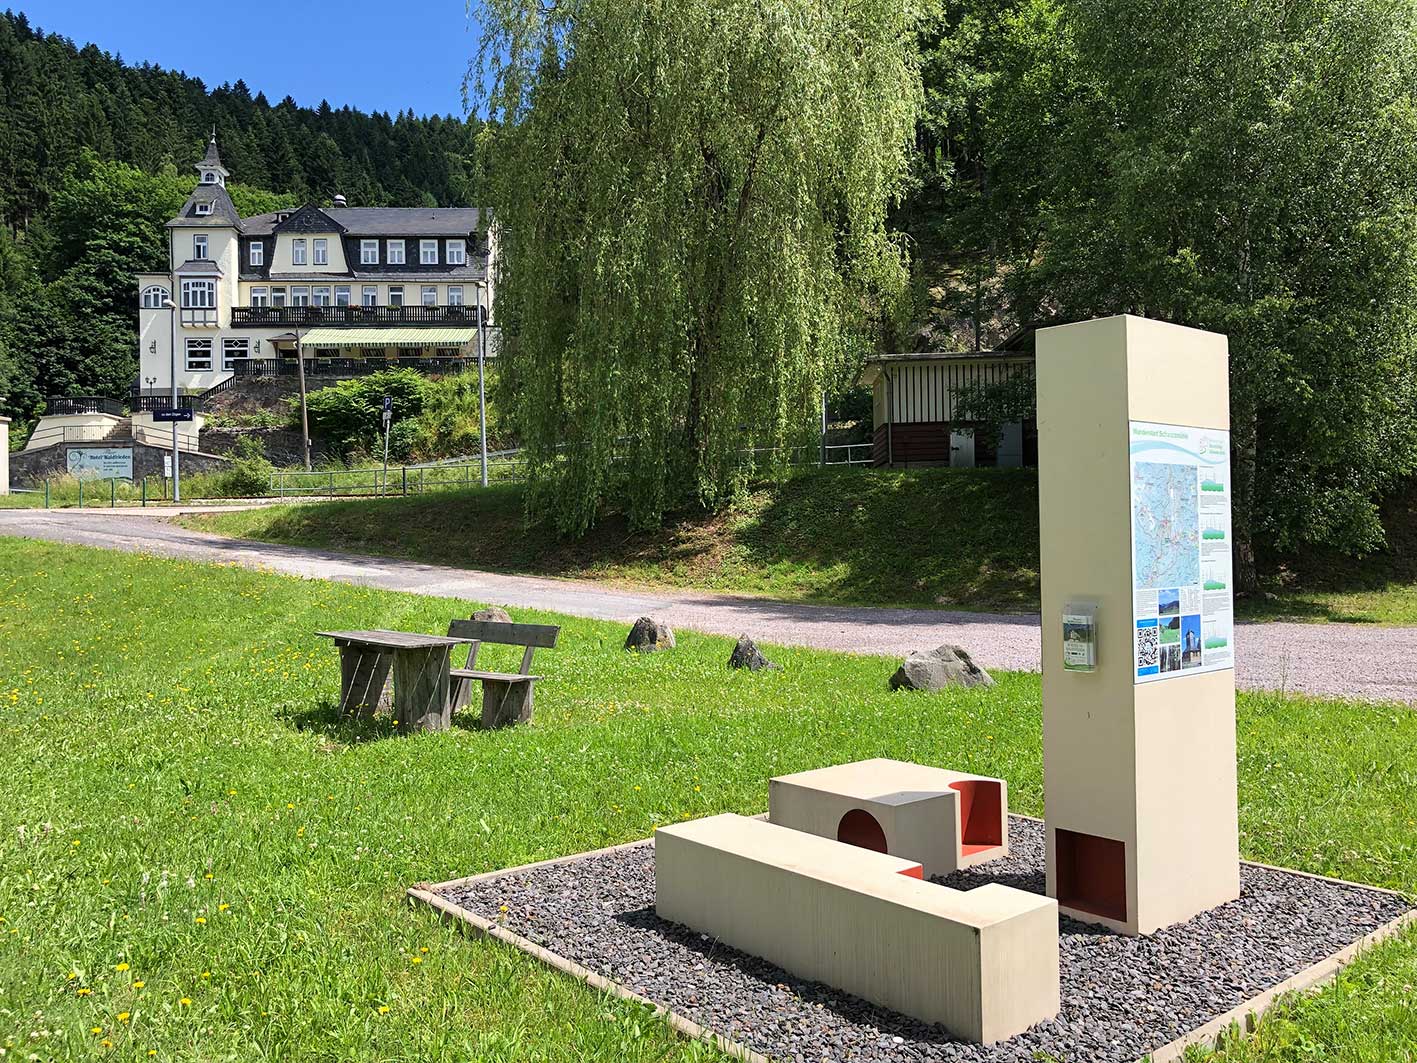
[199, 861]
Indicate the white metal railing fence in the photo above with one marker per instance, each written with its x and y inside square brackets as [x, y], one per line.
[400, 480]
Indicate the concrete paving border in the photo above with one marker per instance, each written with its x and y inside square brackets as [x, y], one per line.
[1246, 1015]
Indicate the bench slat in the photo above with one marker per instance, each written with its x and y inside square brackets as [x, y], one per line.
[542, 636]
[509, 677]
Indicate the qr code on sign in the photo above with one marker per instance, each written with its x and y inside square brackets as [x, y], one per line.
[1147, 644]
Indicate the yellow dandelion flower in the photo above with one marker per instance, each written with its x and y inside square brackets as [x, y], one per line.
[186, 1002]
[139, 984]
[209, 875]
[206, 974]
[85, 991]
[417, 959]
[106, 1043]
[383, 1009]
[201, 919]
[152, 1051]
[120, 966]
[122, 1016]
[222, 907]
[423, 949]
[96, 1030]
[73, 975]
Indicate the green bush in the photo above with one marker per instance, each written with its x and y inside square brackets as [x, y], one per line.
[249, 474]
[349, 415]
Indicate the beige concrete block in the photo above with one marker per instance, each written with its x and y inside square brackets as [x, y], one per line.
[983, 963]
[947, 820]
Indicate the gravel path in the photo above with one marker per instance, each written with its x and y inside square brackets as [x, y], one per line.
[1341, 659]
[1122, 997]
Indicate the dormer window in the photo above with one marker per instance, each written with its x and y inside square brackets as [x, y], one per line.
[368, 252]
[199, 246]
[258, 254]
[209, 177]
[457, 252]
[204, 208]
[428, 252]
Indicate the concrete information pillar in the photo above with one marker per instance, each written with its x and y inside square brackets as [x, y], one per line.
[1139, 690]
[4, 455]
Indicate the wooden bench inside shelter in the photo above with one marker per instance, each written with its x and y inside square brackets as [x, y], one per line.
[506, 696]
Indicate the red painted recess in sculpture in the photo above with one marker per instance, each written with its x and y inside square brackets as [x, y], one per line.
[1091, 874]
[859, 828]
[913, 872]
[981, 807]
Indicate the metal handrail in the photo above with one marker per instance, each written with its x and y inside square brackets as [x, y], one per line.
[417, 314]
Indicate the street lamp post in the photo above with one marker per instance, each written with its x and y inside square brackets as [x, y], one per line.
[482, 375]
[171, 308]
[304, 408]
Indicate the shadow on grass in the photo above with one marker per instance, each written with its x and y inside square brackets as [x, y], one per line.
[326, 720]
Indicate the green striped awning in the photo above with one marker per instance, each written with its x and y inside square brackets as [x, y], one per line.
[387, 337]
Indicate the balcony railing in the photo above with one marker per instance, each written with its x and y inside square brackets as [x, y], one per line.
[293, 316]
[346, 367]
[58, 405]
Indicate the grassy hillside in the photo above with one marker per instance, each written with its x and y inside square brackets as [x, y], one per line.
[937, 537]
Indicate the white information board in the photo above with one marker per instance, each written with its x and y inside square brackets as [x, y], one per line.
[1183, 611]
[100, 463]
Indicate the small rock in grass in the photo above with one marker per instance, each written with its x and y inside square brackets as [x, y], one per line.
[939, 668]
[649, 636]
[747, 655]
[493, 614]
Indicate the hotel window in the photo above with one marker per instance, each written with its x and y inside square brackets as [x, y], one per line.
[232, 349]
[299, 296]
[322, 295]
[199, 246]
[341, 295]
[428, 252]
[457, 252]
[297, 252]
[258, 297]
[258, 254]
[277, 296]
[372, 352]
[369, 252]
[396, 295]
[199, 355]
[369, 295]
[455, 295]
[322, 252]
[153, 297]
[199, 295]
[430, 295]
[393, 252]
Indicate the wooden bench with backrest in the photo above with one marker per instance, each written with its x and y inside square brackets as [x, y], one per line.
[506, 696]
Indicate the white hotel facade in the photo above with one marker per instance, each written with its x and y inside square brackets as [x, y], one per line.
[351, 288]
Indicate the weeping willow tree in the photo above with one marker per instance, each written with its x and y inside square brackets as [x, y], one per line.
[691, 200]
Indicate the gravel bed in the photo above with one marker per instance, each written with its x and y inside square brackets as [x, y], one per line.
[1122, 997]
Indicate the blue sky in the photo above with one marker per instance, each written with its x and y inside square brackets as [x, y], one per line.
[376, 56]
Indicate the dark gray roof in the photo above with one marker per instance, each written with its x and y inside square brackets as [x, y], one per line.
[204, 266]
[384, 221]
[212, 159]
[308, 219]
[223, 211]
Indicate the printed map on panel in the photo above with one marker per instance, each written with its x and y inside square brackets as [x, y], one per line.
[1165, 525]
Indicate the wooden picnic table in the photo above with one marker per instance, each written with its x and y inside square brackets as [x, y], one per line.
[421, 675]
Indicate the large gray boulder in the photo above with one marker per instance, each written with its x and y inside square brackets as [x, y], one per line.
[936, 669]
[747, 655]
[649, 636]
[493, 614]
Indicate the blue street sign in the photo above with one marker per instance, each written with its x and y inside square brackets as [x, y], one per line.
[182, 413]
[388, 404]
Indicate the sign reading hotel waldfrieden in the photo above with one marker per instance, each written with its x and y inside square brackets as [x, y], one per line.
[100, 463]
[1182, 603]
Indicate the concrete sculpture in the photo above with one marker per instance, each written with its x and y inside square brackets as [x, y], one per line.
[944, 819]
[983, 963]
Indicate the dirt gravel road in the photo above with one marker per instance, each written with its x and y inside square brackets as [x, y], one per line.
[1340, 659]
